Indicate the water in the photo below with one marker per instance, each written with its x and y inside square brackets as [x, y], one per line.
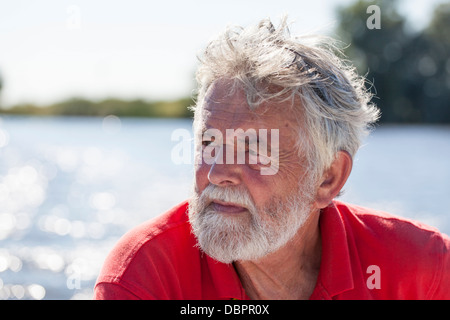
[70, 187]
[405, 170]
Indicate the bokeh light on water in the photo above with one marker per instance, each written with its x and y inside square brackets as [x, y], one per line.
[69, 188]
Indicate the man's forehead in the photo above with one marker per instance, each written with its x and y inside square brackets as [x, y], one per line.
[228, 106]
[223, 100]
[231, 113]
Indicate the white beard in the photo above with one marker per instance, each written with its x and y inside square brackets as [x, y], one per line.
[250, 235]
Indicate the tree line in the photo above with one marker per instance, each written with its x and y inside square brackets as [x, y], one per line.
[408, 70]
[121, 108]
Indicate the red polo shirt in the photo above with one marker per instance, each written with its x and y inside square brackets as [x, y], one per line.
[366, 254]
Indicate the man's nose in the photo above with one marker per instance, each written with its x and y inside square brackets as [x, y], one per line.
[222, 173]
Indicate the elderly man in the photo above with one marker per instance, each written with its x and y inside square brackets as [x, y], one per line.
[278, 121]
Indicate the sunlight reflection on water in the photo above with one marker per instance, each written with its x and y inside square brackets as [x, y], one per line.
[69, 188]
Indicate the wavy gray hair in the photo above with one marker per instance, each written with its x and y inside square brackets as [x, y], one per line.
[329, 99]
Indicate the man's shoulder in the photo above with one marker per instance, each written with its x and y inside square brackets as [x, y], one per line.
[150, 251]
[384, 225]
[402, 248]
[170, 226]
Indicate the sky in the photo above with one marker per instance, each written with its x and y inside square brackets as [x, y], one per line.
[51, 50]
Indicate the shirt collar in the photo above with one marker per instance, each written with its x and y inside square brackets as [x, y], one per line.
[335, 275]
[224, 281]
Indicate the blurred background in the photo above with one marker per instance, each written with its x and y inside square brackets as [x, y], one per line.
[91, 92]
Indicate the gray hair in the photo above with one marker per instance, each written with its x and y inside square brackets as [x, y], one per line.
[329, 99]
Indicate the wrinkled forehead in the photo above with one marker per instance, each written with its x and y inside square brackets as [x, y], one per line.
[226, 105]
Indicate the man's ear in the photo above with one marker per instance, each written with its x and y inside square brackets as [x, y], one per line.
[333, 179]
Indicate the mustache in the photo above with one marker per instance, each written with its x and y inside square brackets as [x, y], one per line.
[237, 195]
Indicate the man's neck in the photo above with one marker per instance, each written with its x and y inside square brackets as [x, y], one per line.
[289, 273]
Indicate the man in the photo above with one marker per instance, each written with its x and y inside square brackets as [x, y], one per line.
[278, 121]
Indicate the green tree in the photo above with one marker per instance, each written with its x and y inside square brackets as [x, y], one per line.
[433, 62]
[378, 54]
[409, 71]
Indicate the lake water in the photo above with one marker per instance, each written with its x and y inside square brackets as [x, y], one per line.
[70, 187]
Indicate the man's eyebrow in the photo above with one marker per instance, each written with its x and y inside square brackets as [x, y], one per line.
[206, 128]
[209, 131]
[206, 133]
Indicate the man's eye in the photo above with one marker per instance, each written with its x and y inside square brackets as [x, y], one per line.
[208, 142]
